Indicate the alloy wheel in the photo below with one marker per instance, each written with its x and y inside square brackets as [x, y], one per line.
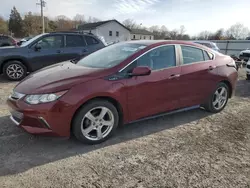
[97, 123]
[220, 98]
[15, 71]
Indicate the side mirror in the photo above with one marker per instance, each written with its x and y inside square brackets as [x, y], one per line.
[38, 47]
[141, 71]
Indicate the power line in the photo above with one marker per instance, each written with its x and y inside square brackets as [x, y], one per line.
[42, 4]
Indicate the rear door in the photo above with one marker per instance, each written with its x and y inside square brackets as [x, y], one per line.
[198, 75]
[75, 47]
[50, 52]
[159, 91]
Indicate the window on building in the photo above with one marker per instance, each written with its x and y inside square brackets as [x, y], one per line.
[134, 37]
[144, 37]
[110, 33]
[150, 37]
[117, 33]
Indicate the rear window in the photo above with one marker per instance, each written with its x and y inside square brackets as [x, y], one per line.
[74, 41]
[91, 40]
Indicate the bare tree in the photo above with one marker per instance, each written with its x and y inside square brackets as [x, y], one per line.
[204, 35]
[182, 30]
[238, 31]
[129, 23]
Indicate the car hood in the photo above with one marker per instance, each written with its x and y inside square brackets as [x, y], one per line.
[58, 77]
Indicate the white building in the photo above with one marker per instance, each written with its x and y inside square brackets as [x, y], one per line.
[141, 34]
[110, 30]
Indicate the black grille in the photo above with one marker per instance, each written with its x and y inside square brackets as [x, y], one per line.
[248, 66]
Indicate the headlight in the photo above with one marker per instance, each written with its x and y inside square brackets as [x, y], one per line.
[43, 98]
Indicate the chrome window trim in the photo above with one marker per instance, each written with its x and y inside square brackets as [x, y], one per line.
[181, 60]
[177, 63]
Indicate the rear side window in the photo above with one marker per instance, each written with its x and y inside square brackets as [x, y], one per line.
[191, 54]
[74, 41]
[91, 40]
[206, 56]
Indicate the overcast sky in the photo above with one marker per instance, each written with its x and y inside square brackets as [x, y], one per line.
[195, 15]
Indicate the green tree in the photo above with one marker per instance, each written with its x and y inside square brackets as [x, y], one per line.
[3, 26]
[16, 23]
[31, 24]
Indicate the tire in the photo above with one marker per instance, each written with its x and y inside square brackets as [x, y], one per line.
[210, 106]
[82, 125]
[248, 77]
[21, 70]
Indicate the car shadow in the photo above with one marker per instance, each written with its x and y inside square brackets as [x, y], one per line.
[20, 151]
[243, 88]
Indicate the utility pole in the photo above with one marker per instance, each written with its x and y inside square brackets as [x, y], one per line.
[42, 4]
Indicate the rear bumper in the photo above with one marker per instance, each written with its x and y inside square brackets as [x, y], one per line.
[46, 119]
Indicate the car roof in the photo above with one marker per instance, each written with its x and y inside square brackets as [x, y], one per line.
[161, 42]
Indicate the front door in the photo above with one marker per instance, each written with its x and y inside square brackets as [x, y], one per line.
[157, 92]
[197, 76]
[49, 52]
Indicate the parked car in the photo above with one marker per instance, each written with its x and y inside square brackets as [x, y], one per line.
[208, 44]
[248, 70]
[245, 55]
[44, 50]
[122, 83]
[23, 40]
[6, 40]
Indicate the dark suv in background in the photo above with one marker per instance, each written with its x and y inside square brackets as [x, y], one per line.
[44, 50]
[7, 41]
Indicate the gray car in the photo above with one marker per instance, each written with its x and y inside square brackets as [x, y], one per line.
[208, 44]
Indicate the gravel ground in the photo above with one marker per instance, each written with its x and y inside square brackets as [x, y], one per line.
[188, 149]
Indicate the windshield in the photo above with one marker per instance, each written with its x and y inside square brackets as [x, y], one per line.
[110, 56]
[31, 40]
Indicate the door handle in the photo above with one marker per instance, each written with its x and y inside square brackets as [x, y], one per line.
[58, 51]
[211, 67]
[84, 50]
[174, 76]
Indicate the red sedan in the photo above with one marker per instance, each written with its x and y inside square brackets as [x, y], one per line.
[119, 84]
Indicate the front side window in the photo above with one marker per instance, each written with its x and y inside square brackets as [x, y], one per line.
[51, 42]
[159, 58]
[110, 56]
[191, 54]
[74, 41]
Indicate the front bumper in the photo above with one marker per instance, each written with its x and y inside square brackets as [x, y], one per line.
[46, 119]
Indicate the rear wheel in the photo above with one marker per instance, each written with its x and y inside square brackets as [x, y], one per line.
[218, 100]
[14, 70]
[95, 122]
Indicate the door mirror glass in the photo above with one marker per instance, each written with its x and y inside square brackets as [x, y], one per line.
[141, 71]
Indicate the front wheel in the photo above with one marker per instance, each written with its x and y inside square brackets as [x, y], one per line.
[14, 70]
[95, 122]
[218, 100]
